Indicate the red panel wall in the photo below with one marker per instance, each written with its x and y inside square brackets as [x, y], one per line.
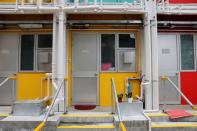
[183, 1]
[189, 86]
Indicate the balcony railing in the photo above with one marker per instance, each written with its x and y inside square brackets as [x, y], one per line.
[167, 7]
[122, 5]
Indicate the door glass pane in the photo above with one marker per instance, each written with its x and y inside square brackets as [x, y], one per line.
[84, 50]
[187, 52]
[45, 41]
[127, 40]
[27, 52]
[108, 52]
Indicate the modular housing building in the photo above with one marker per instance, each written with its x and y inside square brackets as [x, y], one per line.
[83, 53]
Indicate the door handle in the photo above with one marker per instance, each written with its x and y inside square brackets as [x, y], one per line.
[95, 74]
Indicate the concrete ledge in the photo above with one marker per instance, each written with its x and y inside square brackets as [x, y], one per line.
[173, 124]
[162, 117]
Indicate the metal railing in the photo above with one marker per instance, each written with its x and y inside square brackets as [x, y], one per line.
[117, 107]
[47, 79]
[73, 5]
[43, 123]
[165, 78]
[67, 2]
[164, 6]
[12, 77]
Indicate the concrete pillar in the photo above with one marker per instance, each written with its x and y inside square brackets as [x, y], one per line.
[148, 72]
[151, 56]
[155, 69]
[59, 65]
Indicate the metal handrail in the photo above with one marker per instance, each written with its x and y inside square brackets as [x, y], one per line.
[117, 105]
[6, 79]
[42, 124]
[164, 78]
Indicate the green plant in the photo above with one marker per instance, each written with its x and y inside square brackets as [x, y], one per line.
[129, 95]
[120, 96]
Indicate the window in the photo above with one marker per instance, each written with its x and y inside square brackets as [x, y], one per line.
[124, 54]
[108, 52]
[127, 40]
[44, 52]
[42, 55]
[45, 41]
[187, 52]
[27, 52]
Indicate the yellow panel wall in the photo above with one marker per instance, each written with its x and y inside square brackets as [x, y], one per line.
[29, 86]
[119, 78]
[8, 1]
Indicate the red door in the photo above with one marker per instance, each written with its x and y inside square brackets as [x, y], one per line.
[189, 86]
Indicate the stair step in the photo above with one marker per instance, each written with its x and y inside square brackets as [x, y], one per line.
[86, 126]
[174, 126]
[79, 118]
[162, 117]
[2, 116]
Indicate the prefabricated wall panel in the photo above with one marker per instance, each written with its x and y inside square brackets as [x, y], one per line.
[189, 86]
[119, 78]
[9, 43]
[182, 1]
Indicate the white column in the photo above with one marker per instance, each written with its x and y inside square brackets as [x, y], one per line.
[58, 60]
[155, 70]
[55, 41]
[148, 72]
[151, 56]
[61, 50]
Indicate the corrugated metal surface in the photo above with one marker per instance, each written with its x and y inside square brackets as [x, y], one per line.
[183, 1]
[189, 86]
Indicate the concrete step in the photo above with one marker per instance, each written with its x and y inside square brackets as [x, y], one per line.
[84, 118]
[29, 108]
[86, 127]
[162, 117]
[174, 126]
[2, 116]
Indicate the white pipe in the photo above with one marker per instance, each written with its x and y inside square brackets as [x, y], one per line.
[148, 72]
[60, 54]
[61, 46]
[54, 46]
[142, 85]
[154, 50]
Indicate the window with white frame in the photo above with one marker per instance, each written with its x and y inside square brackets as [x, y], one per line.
[36, 52]
[27, 53]
[187, 52]
[118, 52]
[108, 52]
